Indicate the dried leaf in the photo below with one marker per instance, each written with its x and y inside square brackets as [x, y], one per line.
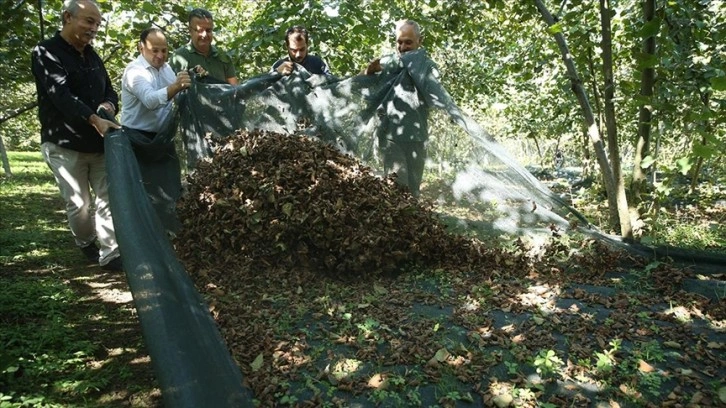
[644, 367]
[672, 344]
[377, 381]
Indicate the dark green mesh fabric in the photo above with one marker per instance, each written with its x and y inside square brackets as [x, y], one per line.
[191, 361]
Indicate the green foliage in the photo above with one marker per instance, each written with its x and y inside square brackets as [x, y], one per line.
[40, 342]
[547, 363]
[50, 334]
[606, 361]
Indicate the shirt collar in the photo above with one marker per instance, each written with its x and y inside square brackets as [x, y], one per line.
[70, 46]
[212, 50]
[144, 63]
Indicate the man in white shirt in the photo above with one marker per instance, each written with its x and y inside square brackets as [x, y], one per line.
[149, 84]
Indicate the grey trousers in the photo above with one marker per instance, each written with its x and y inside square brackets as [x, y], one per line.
[77, 174]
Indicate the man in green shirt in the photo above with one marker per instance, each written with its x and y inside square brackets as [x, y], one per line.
[201, 52]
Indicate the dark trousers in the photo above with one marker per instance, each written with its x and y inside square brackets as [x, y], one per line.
[407, 160]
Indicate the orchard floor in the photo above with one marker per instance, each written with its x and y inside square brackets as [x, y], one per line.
[598, 330]
[567, 324]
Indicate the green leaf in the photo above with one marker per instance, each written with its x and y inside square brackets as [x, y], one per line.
[718, 83]
[646, 60]
[684, 165]
[650, 28]
[704, 151]
[441, 355]
[257, 364]
[149, 7]
[555, 28]
[647, 162]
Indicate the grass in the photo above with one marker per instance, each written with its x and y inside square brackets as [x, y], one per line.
[69, 336]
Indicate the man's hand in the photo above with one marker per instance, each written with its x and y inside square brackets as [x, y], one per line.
[102, 125]
[183, 81]
[373, 67]
[108, 107]
[286, 68]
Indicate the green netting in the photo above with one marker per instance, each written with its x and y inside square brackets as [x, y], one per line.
[354, 112]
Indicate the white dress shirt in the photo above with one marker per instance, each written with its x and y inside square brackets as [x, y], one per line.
[144, 103]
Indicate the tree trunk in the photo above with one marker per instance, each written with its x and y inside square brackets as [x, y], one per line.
[705, 98]
[21, 110]
[40, 19]
[586, 161]
[598, 113]
[645, 116]
[3, 152]
[581, 95]
[696, 171]
[623, 212]
[4, 157]
[595, 88]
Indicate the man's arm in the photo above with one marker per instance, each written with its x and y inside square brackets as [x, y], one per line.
[140, 83]
[53, 79]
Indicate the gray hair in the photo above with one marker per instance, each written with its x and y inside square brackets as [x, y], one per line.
[72, 7]
[416, 27]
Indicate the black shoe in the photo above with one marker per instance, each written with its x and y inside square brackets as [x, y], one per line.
[114, 266]
[91, 252]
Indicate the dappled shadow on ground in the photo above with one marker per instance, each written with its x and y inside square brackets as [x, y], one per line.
[568, 327]
[69, 333]
[85, 350]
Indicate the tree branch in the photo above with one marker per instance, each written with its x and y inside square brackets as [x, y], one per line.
[17, 112]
